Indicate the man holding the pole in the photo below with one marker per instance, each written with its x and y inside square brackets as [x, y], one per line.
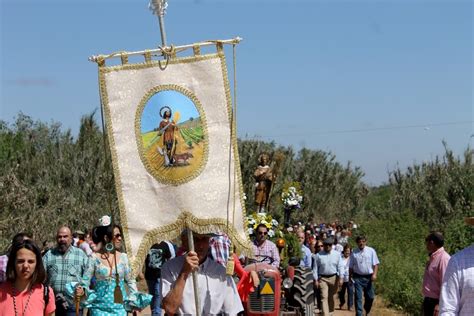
[216, 291]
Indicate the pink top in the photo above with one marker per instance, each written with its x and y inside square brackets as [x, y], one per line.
[35, 305]
[434, 273]
[3, 268]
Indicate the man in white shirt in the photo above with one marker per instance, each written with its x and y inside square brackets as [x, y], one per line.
[363, 268]
[457, 291]
[217, 291]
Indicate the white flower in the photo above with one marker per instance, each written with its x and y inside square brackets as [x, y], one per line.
[105, 220]
[250, 231]
[274, 222]
[271, 233]
[245, 196]
[252, 222]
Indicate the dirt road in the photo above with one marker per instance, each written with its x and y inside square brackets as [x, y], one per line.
[379, 309]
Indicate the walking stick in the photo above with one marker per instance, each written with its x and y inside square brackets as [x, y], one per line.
[77, 301]
[195, 281]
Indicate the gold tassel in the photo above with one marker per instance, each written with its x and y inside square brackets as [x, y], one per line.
[101, 62]
[147, 57]
[229, 269]
[197, 50]
[220, 47]
[118, 297]
[124, 58]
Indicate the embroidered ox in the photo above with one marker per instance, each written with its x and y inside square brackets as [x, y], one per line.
[182, 159]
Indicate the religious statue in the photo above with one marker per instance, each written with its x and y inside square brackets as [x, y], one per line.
[264, 177]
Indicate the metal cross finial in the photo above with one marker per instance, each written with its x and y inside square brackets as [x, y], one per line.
[158, 7]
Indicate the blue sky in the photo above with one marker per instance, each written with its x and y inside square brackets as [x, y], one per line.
[178, 102]
[378, 83]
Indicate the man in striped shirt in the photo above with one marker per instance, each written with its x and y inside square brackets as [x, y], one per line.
[263, 249]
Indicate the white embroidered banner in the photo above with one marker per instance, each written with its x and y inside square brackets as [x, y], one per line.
[175, 162]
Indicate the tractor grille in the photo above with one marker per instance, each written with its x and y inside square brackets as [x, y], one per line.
[262, 302]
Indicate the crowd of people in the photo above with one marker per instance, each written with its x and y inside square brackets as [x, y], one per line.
[68, 277]
[90, 271]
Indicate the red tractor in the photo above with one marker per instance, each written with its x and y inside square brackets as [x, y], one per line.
[294, 295]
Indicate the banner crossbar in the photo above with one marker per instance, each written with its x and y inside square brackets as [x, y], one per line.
[163, 51]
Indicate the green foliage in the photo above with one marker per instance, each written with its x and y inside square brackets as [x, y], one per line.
[330, 189]
[399, 242]
[292, 249]
[435, 195]
[440, 193]
[49, 179]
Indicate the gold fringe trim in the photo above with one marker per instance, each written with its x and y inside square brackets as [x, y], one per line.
[197, 225]
[220, 47]
[101, 62]
[124, 58]
[197, 50]
[156, 63]
[147, 57]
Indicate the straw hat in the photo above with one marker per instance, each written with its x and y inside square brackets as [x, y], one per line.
[469, 220]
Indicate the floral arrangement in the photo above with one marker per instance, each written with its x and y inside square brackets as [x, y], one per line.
[292, 195]
[105, 220]
[255, 219]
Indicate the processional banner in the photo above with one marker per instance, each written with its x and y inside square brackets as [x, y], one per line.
[174, 155]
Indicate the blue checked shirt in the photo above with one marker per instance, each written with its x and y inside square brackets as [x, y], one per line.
[62, 269]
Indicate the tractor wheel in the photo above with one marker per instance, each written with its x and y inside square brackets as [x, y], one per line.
[303, 291]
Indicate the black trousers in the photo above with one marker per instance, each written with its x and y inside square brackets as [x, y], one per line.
[429, 305]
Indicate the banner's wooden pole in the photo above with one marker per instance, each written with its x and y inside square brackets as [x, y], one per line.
[195, 281]
[158, 7]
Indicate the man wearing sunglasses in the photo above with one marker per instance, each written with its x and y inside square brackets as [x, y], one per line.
[264, 249]
[328, 269]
